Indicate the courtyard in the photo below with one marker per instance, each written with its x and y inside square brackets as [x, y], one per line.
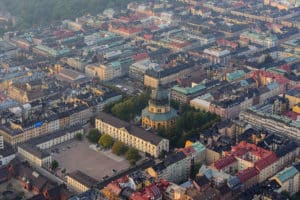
[14, 187]
[77, 155]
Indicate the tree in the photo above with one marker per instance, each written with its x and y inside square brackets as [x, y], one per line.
[130, 107]
[132, 155]
[35, 12]
[119, 148]
[54, 165]
[106, 141]
[195, 170]
[93, 135]
[78, 136]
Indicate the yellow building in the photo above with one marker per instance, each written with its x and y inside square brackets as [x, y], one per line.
[293, 96]
[159, 113]
[35, 155]
[296, 108]
[131, 135]
[80, 181]
[104, 72]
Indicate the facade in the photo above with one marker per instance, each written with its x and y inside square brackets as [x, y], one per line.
[155, 78]
[23, 94]
[175, 168]
[55, 138]
[159, 113]
[17, 133]
[80, 181]
[7, 154]
[267, 122]
[131, 135]
[104, 72]
[35, 155]
[138, 69]
[267, 40]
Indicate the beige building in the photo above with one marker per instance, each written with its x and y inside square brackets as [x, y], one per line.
[175, 168]
[80, 181]
[104, 72]
[55, 138]
[131, 135]
[35, 155]
[18, 133]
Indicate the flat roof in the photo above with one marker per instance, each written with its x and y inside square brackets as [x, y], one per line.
[83, 178]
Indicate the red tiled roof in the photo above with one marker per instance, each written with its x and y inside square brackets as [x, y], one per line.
[187, 150]
[292, 115]
[114, 188]
[247, 174]
[140, 56]
[223, 162]
[265, 162]
[148, 36]
[285, 67]
[137, 196]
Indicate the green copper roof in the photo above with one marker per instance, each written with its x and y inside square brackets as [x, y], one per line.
[159, 116]
[198, 147]
[188, 90]
[286, 174]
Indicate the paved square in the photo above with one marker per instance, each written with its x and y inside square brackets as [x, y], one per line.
[77, 155]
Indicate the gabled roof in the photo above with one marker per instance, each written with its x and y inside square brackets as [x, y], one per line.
[225, 161]
[265, 162]
[247, 174]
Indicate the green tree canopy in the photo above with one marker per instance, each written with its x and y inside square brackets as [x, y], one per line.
[132, 155]
[130, 107]
[36, 12]
[119, 148]
[106, 141]
[189, 123]
[93, 135]
[78, 136]
[54, 165]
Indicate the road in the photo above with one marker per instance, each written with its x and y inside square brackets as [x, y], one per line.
[49, 175]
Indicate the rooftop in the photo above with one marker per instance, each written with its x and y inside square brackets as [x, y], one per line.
[83, 178]
[34, 150]
[134, 130]
[286, 174]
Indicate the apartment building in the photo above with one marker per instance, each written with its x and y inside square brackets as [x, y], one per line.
[104, 72]
[175, 168]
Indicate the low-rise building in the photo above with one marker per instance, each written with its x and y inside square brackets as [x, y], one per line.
[35, 155]
[55, 138]
[80, 181]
